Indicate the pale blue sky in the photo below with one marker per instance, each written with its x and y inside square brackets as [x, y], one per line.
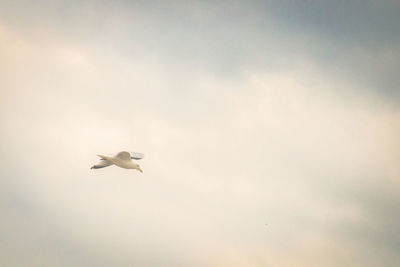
[249, 113]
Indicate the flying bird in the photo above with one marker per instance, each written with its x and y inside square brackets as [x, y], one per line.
[122, 159]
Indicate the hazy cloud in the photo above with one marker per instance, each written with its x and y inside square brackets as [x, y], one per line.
[270, 132]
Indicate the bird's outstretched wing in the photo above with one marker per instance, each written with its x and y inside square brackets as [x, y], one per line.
[136, 155]
[103, 163]
[124, 156]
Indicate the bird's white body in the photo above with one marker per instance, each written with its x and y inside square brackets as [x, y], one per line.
[122, 159]
[126, 164]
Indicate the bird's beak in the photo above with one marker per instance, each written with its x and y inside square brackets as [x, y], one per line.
[140, 170]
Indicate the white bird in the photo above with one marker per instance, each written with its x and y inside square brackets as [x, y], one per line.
[122, 159]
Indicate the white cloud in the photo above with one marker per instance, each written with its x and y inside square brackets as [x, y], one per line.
[225, 155]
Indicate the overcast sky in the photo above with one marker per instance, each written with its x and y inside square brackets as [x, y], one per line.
[270, 131]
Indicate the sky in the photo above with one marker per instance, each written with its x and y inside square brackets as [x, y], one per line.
[270, 131]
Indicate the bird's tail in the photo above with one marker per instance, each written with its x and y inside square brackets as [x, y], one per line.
[102, 164]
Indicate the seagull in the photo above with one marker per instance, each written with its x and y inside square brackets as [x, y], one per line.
[122, 159]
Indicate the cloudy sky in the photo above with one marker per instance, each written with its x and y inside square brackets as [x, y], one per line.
[270, 128]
